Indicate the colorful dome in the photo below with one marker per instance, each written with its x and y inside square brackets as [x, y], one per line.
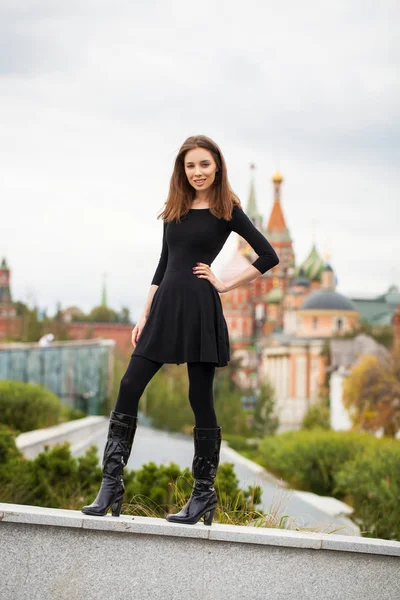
[274, 296]
[277, 177]
[313, 266]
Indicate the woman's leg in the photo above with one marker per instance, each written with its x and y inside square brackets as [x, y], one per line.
[138, 374]
[201, 395]
[207, 443]
[121, 432]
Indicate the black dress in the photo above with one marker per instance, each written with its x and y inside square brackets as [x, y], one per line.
[186, 321]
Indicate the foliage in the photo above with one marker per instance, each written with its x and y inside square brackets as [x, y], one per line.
[57, 479]
[166, 400]
[309, 460]
[264, 420]
[104, 314]
[163, 488]
[318, 415]
[228, 405]
[370, 482]
[28, 406]
[371, 393]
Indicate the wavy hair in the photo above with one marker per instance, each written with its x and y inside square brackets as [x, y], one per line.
[181, 193]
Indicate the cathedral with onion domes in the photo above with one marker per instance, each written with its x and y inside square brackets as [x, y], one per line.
[279, 322]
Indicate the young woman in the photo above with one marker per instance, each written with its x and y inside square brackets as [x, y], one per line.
[183, 321]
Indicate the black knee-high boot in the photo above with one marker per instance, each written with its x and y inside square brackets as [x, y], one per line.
[203, 499]
[121, 433]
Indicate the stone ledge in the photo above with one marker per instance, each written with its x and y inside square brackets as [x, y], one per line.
[32, 442]
[35, 515]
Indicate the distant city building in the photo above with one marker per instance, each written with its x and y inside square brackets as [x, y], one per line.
[10, 324]
[280, 322]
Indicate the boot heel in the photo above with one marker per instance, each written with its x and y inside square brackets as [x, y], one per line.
[116, 507]
[208, 516]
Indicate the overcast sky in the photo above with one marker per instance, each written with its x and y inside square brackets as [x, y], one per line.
[97, 97]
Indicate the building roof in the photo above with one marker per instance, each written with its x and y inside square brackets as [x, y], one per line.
[324, 299]
[346, 352]
[313, 265]
[378, 310]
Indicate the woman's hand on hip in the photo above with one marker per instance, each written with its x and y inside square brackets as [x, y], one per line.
[203, 271]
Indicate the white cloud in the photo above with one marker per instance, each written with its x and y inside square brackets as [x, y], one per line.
[95, 106]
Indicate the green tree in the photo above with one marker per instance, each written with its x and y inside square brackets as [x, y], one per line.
[264, 420]
[166, 399]
[318, 415]
[371, 393]
[228, 406]
[103, 314]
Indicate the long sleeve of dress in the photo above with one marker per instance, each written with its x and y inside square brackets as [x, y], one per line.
[162, 263]
[241, 224]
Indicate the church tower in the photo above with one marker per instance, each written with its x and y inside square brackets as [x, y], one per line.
[254, 215]
[278, 235]
[5, 294]
[8, 314]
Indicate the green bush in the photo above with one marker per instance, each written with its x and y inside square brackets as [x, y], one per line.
[165, 488]
[57, 479]
[240, 443]
[28, 406]
[318, 415]
[370, 482]
[309, 460]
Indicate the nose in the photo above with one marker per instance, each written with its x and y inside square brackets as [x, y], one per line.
[197, 171]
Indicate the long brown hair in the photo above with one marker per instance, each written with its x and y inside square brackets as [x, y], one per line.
[181, 193]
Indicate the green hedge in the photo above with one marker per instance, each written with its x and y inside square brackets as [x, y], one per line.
[358, 468]
[309, 460]
[28, 406]
[370, 482]
[57, 479]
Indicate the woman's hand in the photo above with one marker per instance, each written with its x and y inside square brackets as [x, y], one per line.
[137, 330]
[203, 271]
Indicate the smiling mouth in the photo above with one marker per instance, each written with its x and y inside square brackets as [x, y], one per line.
[199, 180]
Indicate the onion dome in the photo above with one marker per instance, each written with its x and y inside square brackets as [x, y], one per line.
[313, 266]
[277, 177]
[301, 279]
[274, 296]
[327, 300]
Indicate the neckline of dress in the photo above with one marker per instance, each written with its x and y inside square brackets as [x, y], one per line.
[199, 208]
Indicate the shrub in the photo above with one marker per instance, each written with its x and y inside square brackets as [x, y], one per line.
[28, 406]
[370, 482]
[57, 479]
[309, 460]
[318, 415]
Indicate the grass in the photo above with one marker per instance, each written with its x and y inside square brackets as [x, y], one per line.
[230, 512]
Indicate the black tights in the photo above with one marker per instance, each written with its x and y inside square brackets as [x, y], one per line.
[139, 372]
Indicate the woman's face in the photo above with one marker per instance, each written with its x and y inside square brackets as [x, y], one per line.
[200, 168]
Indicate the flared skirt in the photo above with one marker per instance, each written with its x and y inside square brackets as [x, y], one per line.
[185, 323]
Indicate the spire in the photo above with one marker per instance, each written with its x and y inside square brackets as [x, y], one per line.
[277, 225]
[4, 264]
[251, 210]
[104, 291]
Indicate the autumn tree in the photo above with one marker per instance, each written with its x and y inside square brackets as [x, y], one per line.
[371, 393]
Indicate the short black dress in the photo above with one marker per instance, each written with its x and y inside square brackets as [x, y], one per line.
[186, 321]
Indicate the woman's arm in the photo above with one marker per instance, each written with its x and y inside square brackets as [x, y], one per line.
[162, 263]
[267, 257]
[158, 275]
